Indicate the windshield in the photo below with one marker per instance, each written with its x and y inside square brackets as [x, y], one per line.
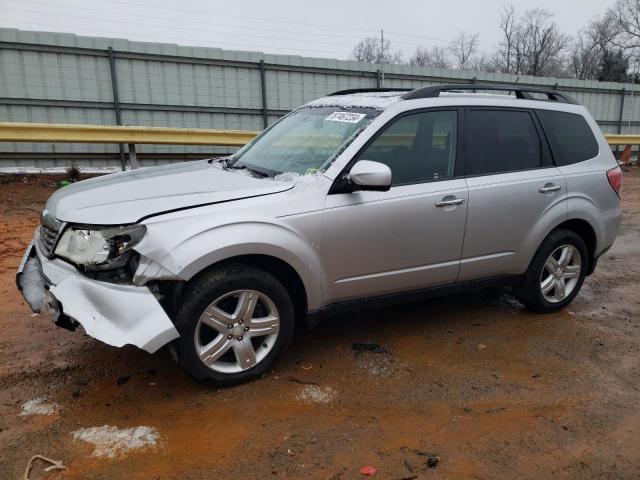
[305, 141]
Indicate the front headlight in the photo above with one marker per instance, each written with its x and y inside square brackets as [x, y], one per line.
[98, 246]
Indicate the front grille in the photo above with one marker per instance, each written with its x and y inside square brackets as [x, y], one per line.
[50, 229]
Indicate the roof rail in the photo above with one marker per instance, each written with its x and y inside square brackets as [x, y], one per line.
[522, 92]
[366, 90]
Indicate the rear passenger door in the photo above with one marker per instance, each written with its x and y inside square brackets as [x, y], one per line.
[515, 191]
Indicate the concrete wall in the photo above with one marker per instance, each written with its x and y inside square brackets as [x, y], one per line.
[64, 78]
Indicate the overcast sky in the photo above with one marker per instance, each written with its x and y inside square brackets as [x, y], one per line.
[327, 28]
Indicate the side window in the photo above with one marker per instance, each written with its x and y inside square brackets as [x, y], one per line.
[501, 141]
[417, 148]
[569, 135]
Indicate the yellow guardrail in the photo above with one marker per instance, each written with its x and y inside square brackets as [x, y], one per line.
[62, 133]
[67, 133]
[623, 139]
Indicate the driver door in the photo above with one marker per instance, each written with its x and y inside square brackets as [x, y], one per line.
[409, 237]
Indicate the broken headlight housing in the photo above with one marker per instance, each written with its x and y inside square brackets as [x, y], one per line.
[99, 248]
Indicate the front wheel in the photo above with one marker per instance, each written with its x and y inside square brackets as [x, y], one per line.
[556, 273]
[234, 322]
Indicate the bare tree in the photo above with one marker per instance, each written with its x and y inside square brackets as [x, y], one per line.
[585, 58]
[484, 62]
[605, 30]
[371, 50]
[543, 43]
[420, 58]
[395, 58]
[505, 55]
[463, 48]
[435, 57]
[440, 58]
[367, 50]
[626, 14]
[590, 47]
[532, 43]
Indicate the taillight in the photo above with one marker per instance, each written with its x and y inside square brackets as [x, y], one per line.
[615, 179]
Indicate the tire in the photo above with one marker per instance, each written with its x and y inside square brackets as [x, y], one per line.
[225, 312]
[558, 243]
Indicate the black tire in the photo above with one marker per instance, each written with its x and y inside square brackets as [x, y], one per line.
[529, 291]
[205, 289]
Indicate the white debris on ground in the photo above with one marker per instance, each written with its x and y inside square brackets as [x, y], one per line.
[39, 406]
[32, 285]
[111, 441]
[316, 394]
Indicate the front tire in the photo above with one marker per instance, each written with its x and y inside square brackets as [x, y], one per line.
[234, 322]
[555, 274]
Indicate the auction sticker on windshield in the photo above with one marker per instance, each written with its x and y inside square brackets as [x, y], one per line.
[348, 117]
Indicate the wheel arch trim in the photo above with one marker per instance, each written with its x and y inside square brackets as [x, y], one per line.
[581, 227]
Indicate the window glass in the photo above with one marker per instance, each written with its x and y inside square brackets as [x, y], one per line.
[417, 148]
[501, 141]
[305, 141]
[569, 135]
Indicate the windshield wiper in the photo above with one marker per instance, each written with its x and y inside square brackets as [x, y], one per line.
[235, 166]
[254, 171]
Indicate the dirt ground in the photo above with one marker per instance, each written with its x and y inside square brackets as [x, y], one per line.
[493, 390]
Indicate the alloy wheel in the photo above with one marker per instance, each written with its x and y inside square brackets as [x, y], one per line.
[560, 274]
[236, 331]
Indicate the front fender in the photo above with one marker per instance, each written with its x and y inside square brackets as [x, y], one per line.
[191, 252]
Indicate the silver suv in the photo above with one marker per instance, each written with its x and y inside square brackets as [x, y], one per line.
[360, 197]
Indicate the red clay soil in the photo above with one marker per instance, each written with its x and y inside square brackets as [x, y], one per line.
[493, 390]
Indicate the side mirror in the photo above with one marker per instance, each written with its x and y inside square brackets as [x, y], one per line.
[368, 175]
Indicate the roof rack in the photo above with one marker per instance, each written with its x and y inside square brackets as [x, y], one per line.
[367, 90]
[522, 92]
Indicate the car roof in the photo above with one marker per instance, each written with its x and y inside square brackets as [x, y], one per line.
[379, 100]
[383, 98]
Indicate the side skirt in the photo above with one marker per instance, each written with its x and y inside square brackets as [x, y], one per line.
[314, 317]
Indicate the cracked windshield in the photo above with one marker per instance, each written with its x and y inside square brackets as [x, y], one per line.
[306, 141]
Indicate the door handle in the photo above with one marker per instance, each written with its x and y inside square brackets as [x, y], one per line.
[549, 187]
[448, 203]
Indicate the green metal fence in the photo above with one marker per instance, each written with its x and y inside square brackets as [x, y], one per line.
[63, 78]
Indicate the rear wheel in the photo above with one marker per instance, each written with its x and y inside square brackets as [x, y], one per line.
[234, 322]
[556, 273]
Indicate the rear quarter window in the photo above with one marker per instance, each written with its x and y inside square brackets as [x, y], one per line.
[569, 135]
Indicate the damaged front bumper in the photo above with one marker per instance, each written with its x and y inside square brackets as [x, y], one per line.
[115, 314]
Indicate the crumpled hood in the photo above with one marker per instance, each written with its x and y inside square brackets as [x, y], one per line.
[127, 197]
